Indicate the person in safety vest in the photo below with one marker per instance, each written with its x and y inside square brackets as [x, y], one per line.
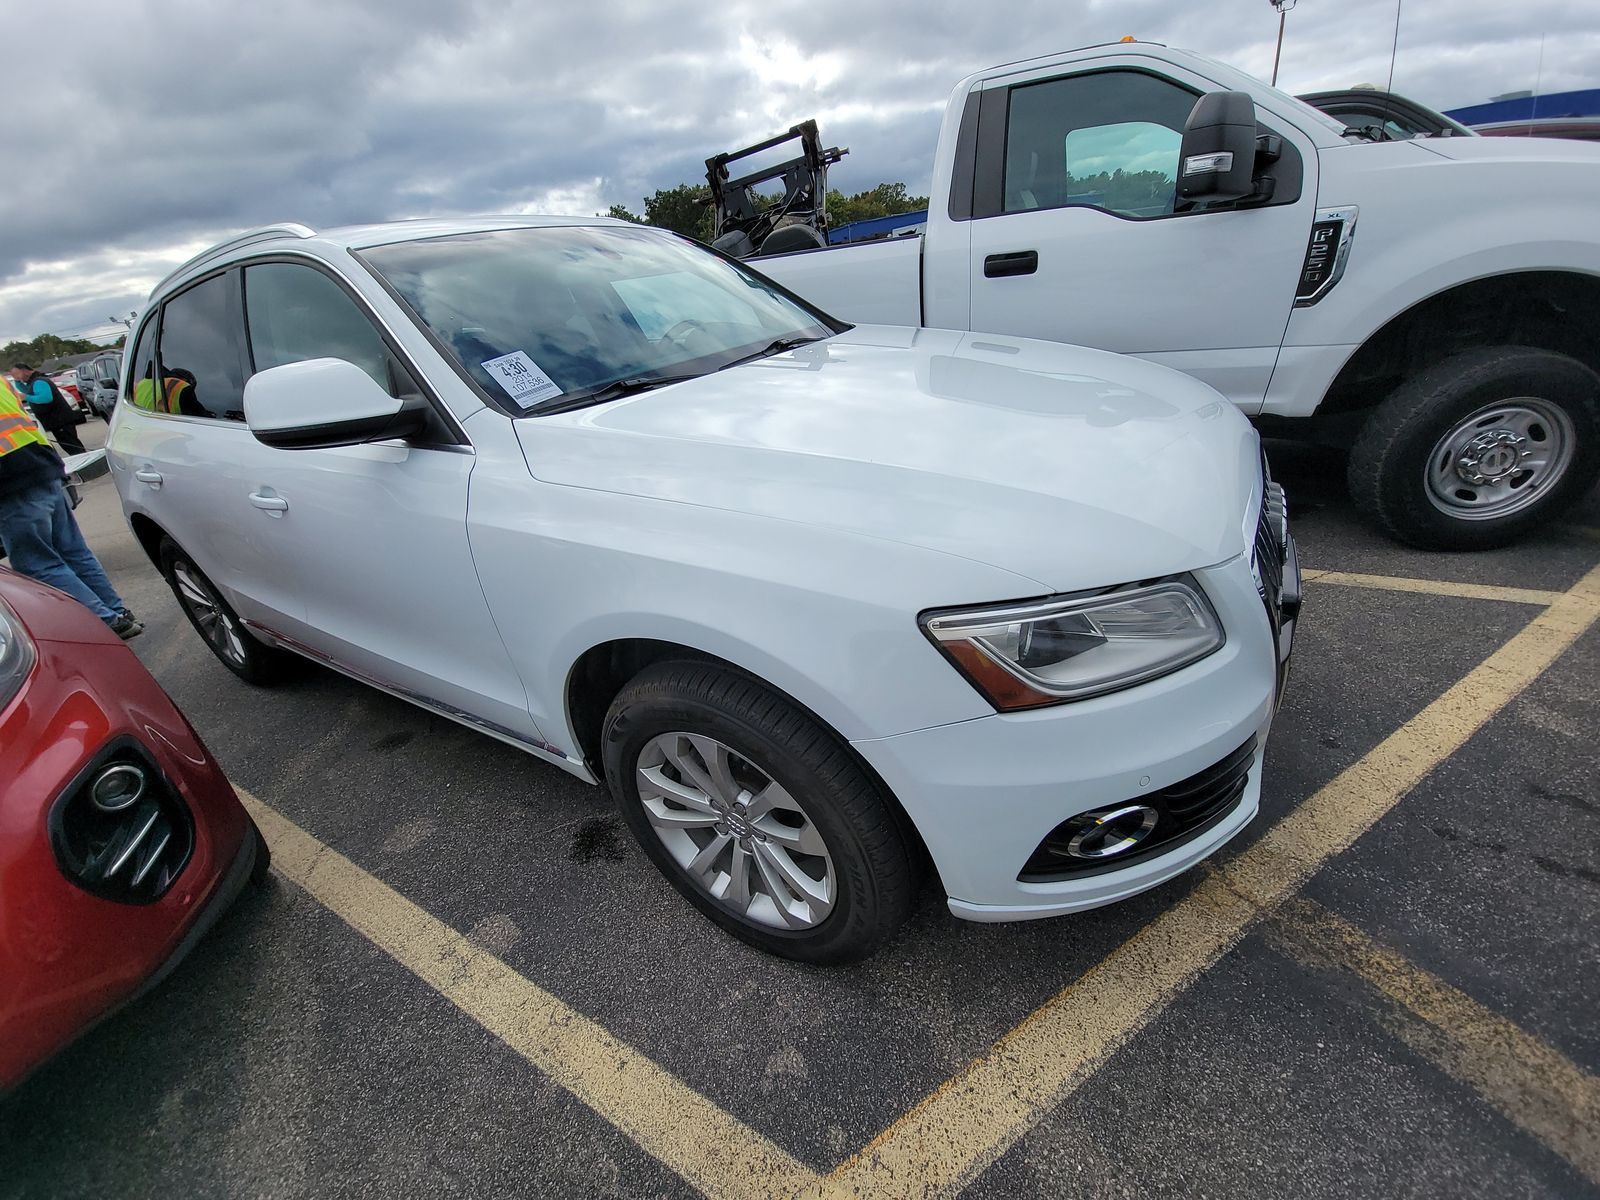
[48, 404]
[37, 527]
[176, 395]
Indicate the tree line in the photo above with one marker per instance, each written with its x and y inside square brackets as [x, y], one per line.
[47, 346]
[683, 209]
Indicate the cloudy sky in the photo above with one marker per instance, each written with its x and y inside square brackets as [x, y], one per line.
[138, 131]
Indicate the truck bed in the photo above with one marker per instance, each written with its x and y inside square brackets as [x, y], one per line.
[877, 283]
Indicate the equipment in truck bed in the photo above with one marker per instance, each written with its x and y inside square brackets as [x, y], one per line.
[746, 224]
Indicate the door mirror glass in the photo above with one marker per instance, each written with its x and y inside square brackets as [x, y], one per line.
[325, 402]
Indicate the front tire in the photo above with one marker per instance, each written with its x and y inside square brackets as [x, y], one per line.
[217, 624]
[757, 814]
[1477, 450]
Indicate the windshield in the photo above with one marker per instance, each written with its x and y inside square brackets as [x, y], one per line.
[543, 318]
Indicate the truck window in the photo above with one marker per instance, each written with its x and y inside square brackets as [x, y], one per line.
[1107, 140]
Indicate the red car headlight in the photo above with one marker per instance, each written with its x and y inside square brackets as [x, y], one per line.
[17, 655]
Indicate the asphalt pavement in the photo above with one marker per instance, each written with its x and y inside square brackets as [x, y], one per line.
[301, 1051]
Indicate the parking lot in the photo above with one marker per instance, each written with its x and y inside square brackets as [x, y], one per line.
[464, 979]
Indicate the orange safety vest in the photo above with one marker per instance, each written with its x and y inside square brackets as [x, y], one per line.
[170, 402]
[17, 427]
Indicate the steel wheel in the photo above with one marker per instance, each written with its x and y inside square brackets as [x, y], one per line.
[738, 833]
[210, 615]
[1500, 459]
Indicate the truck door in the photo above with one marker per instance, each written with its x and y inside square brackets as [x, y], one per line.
[1075, 237]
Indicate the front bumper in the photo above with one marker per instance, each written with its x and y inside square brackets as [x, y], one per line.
[985, 793]
[68, 956]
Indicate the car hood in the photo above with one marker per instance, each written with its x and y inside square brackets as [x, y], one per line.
[1511, 149]
[1072, 467]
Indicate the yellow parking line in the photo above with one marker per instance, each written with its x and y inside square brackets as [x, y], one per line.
[1530, 1082]
[944, 1142]
[710, 1149]
[1434, 587]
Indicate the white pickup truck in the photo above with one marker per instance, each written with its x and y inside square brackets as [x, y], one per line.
[1433, 304]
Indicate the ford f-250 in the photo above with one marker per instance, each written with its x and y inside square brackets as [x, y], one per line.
[1432, 304]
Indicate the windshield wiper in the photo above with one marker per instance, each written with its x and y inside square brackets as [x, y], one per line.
[606, 392]
[777, 347]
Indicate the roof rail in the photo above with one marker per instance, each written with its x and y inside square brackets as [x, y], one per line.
[262, 234]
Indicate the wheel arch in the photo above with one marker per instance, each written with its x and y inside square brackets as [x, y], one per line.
[600, 673]
[149, 535]
[1544, 309]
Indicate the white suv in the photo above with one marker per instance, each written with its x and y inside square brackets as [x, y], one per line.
[822, 605]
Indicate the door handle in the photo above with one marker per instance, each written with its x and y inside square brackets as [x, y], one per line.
[153, 478]
[271, 504]
[1020, 262]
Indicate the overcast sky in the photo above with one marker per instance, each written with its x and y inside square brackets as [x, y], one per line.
[138, 132]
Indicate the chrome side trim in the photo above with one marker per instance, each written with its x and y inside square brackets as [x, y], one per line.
[459, 716]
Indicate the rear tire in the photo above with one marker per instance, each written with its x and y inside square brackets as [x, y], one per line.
[1477, 450]
[217, 624]
[784, 793]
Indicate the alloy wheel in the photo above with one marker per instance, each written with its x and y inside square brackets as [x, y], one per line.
[211, 617]
[737, 832]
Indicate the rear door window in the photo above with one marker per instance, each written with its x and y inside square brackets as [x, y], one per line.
[200, 350]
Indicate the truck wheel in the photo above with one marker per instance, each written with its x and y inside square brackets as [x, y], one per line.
[217, 624]
[756, 813]
[1478, 449]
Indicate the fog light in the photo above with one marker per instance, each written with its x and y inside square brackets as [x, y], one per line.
[116, 787]
[1115, 831]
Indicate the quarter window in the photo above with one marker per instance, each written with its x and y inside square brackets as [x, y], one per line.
[1107, 140]
[199, 352]
[295, 313]
[144, 362]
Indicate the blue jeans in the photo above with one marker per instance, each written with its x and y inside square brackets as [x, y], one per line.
[42, 538]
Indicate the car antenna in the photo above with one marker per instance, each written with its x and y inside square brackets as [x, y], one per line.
[1388, 90]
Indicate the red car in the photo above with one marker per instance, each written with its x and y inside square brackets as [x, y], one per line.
[121, 841]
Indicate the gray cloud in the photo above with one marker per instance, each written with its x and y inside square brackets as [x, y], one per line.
[172, 122]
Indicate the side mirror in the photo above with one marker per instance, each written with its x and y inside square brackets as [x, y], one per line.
[324, 402]
[1216, 161]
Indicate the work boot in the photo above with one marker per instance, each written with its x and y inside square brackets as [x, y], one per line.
[126, 627]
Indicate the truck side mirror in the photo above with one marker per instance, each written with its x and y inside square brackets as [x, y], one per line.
[1217, 158]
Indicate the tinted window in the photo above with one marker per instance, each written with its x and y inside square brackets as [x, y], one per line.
[1108, 140]
[144, 359]
[200, 347]
[295, 313]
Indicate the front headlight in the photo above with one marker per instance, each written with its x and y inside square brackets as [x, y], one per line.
[1024, 656]
[16, 655]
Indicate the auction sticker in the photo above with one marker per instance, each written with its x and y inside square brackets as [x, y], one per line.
[522, 378]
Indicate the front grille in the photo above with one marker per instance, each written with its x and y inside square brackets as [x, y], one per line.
[1271, 546]
[1184, 810]
[120, 830]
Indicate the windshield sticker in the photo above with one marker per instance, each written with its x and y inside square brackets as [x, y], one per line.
[521, 377]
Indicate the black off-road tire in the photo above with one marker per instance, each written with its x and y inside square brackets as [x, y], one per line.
[876, 870]
[1389, 461]
[256, 663]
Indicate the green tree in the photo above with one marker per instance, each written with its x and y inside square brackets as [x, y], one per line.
[680, 210]
[885, 200]
[45, 346]
[621, 213]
